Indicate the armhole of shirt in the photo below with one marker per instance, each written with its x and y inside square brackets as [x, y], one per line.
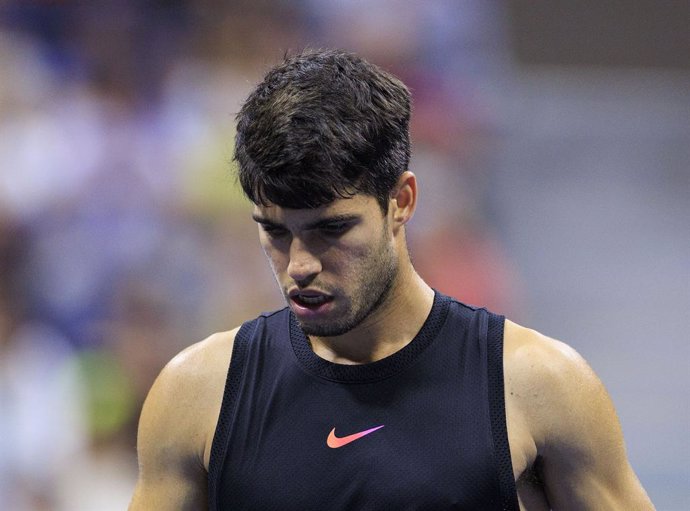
[497, 409]
[222, 435]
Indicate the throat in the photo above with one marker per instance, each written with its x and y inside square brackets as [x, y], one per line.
[388, 331]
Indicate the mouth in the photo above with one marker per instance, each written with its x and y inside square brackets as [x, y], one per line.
[309, 301]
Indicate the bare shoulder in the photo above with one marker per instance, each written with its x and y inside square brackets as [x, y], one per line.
[177, 424]
[552, 385]
[200, 363]
[543, 365]
[526, 348]
[187, 394]
[573, 423]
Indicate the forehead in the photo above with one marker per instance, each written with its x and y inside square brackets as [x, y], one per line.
[359, 204]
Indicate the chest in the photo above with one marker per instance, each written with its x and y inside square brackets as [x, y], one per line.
[424, 428]
[408, 442]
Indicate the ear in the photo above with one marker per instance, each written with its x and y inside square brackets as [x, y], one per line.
[404, 199]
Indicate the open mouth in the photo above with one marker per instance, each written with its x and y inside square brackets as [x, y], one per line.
[310, 300]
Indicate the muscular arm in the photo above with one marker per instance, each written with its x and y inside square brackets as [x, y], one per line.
[579, 441]
[176, 428]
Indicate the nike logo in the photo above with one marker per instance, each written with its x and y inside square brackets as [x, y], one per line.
[334, 442]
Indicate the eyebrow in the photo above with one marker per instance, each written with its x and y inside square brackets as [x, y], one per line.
[264, 221]
[322, 222]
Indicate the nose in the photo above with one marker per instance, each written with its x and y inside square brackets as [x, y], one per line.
[303, 265]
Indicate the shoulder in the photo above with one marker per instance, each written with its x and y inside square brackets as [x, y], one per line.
[181, 408]
[531, 356]
[177, 425]
[552, 385]
[555, 397]
[195, 363]
[196, 368]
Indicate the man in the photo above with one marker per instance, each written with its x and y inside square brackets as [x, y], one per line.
[370, 390]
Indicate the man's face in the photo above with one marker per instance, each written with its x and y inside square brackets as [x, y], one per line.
[335, 264]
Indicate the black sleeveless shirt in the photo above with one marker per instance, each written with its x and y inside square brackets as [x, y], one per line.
[422, 429]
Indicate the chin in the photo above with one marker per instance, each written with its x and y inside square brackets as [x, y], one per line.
[324, 329]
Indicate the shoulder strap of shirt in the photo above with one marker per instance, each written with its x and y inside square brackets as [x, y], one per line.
[227, 410]
[497, 410]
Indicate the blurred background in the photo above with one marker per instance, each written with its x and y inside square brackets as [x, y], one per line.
[551, 139]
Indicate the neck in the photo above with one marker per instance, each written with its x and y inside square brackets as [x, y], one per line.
[388, 329]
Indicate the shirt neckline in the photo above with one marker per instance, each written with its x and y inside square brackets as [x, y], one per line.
[381, 369]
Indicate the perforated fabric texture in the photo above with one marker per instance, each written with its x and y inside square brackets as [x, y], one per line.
[365, 373]
[221, 437]
[497, 410]
[281, 400]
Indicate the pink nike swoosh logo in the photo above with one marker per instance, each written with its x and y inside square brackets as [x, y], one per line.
[334, 442]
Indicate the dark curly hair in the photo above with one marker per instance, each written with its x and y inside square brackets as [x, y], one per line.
[323, 124]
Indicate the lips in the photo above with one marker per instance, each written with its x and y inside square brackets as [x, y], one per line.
[309, 300]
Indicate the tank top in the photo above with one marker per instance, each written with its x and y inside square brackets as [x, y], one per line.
[422, 429]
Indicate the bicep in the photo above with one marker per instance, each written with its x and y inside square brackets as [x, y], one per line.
[171, 472]
[573, 424]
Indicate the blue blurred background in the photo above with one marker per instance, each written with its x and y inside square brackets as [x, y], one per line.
[552, 141]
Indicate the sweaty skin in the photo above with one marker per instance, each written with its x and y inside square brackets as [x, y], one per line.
[565, 439]
[557, 411]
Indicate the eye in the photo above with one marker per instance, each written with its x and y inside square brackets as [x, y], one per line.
[274, 231]
[335, 228]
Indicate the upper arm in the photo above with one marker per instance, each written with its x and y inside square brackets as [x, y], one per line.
[176, 426]
[574, 424]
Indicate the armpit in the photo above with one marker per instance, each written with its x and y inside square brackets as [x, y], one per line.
[531, 489]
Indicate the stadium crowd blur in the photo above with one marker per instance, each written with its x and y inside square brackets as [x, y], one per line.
[123, 237]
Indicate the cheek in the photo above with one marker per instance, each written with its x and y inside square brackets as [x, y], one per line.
[352, 262]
